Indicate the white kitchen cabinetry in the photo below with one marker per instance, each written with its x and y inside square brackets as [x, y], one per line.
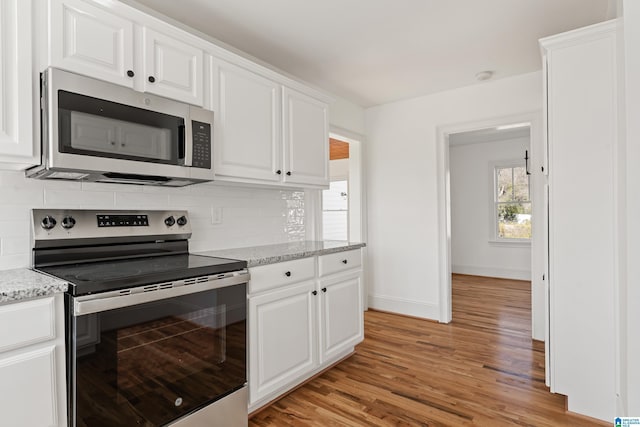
[304, 315]
[581, 100]
[89, 40]
[32, 380]
[17, 150]
[92, 41]
[341, 320]
[306, 139]
[282, 339]
[267, 132]
[248, 131]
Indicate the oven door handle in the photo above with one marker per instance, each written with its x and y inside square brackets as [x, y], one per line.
[102, 302]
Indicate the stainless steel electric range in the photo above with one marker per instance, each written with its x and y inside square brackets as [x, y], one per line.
[154, 335]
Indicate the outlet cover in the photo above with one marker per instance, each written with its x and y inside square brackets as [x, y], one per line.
[216, 216]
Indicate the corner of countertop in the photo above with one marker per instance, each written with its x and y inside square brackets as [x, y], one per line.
[23, 283]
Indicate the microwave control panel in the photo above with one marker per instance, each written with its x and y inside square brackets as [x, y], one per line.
[201, 145]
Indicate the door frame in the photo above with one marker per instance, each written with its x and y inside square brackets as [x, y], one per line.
[539, 287]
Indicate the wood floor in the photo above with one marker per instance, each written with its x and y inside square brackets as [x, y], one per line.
[482, 369]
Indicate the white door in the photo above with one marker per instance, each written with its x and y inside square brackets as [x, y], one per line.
[341, 319]
[306, 139]
[282, 338]
[248, 117]
[173, 68]
[91, 41]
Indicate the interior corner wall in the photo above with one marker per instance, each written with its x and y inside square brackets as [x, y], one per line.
[471, 183]
[632, 155]
[402, 178]
[346, 115]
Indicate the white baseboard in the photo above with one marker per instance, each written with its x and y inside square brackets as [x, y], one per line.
[502, 273]
[403, 306]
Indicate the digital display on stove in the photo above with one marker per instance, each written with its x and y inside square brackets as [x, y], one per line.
[122, 220]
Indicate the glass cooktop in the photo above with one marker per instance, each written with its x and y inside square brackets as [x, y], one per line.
[104, 276]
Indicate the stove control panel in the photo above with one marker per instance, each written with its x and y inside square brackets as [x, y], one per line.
[73, 225]
[123, 220]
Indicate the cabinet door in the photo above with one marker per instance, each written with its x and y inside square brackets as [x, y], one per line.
[28, 388]
[341, 315]
[306, 139]
[91, 41]
[17, 148]
[248, 132]
[282, 339]
[172, 68]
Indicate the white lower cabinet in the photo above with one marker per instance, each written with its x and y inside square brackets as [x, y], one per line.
[32, 379]
[341, 321]
[301, 321]
[281, 333]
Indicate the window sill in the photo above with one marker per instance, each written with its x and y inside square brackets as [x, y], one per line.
[510, 243]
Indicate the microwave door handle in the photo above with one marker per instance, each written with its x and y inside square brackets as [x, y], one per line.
[187, 143]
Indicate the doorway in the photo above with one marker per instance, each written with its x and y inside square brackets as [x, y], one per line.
[537, 167]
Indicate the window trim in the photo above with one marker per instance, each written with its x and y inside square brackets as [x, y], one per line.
[494, 238]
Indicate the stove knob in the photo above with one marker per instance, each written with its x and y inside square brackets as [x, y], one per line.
[68, 222]
[48, 222]
[182, 221]
[169, 221]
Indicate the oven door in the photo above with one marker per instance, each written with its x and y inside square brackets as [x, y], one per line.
[150, 363]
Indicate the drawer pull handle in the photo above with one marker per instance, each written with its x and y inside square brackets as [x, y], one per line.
[288, 274]
[344, 261]
[315, 292]
[324, 289]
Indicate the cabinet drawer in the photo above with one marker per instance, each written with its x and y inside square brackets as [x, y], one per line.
[339, 261]
[272, 276]
[30, 322]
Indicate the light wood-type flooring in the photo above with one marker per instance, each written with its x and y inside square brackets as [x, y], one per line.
[482, 369]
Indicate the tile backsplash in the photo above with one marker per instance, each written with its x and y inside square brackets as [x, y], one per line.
[221, 216]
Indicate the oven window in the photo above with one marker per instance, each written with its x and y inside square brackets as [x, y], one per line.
[96, 127]
[152, 363]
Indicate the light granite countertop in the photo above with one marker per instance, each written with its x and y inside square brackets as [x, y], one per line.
[22, 283]
[270, 254]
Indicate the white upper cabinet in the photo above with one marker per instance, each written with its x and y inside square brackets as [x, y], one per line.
[247, 132]
[306, 139]
[89, 40]
[17, 150]
[267, 132]
[172, 68]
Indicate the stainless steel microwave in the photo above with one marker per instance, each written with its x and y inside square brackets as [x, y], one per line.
[97, 131]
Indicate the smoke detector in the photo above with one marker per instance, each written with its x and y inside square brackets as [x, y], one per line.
[484, 75]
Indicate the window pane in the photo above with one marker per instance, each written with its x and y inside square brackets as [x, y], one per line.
[521, 184]
[504, 192]
[514, 220]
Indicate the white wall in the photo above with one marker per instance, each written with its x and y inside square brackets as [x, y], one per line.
[631, 293]
[346, 115]
[402, 178]
[249, 216]
[471, 175]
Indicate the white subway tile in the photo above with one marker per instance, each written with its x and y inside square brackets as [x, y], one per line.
[141, 200]
[77, 198]
[15, 246]
[119, 188]
[18, 228]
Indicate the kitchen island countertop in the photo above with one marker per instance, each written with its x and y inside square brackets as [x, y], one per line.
[23, 283]
[270, 254]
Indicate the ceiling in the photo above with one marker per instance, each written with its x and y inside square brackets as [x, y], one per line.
[376, 51]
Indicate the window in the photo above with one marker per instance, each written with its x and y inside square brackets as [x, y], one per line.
[335, 211]
[512, 207]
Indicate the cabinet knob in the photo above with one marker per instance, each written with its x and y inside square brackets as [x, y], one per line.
[344, 261]
[130, 73]
[324, 289]
[288, 274]
[279, 172]
[289, 173]
[152, 79]
[314, 293]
